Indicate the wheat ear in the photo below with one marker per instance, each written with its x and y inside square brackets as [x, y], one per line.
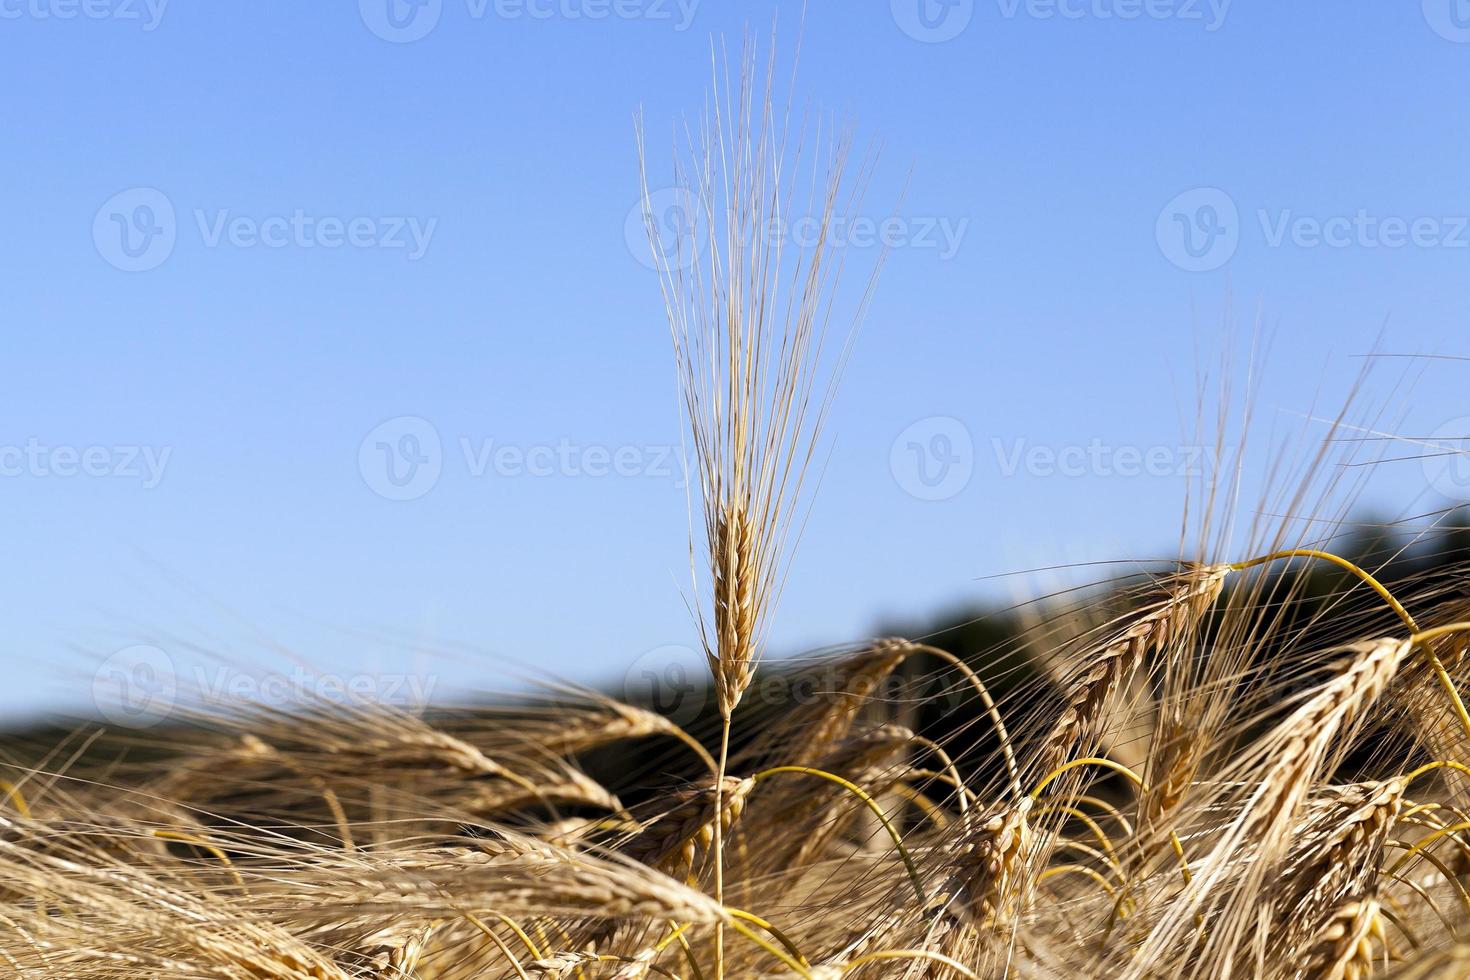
[749, 317]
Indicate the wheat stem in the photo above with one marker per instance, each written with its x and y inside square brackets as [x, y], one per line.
[1430, 767]
[1419, 850]
[203, 845]
[1340, 562]
[1117, 767]
[1092, 873]
[500, 943]
[17, 798]
[515, 927]
[1007, 753]
[1445, 682]
[871, 804]
[719, 840]
[911, 954]
[771, 948]
[781, 937]
[694, 967]
[1428, 840]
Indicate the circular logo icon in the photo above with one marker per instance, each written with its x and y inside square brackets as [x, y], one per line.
[1199, 230]
[402, 458]
[400, 21]
[135, 229]
[664, 232]
[932, 21]
[672, 680]
[934, 458]
[135, 687]
[1446, 458]
[1450, 19]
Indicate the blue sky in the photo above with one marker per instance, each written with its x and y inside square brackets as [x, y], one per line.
[355, 229]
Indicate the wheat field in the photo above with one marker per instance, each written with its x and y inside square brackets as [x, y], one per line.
[1196, 781]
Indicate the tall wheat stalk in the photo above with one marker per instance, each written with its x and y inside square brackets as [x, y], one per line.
[749, 311]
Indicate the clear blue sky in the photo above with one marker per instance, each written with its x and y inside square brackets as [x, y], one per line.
[265, 333]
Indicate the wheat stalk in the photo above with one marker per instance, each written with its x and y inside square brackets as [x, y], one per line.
[749, 321]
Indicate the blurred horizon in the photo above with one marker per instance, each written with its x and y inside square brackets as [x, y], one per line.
[333, 339]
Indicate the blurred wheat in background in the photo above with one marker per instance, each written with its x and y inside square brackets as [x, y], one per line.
[1226, 766]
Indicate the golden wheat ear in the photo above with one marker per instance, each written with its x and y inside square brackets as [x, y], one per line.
[749, 307]
[749, 312]
[1105, 663]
